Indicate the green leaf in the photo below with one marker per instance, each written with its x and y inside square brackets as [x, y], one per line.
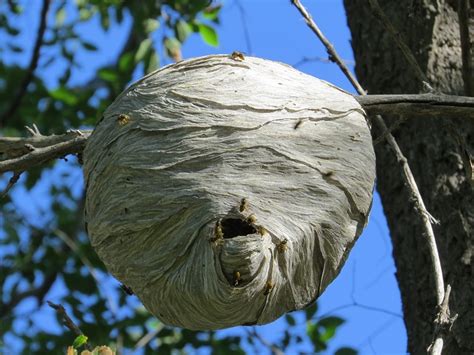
[345, 351]
[211, 13]
[79, 341]
[151, 63]
[173, 48]
[150, 25]
[143, 49]
[125, 63]
[64, 95]
[89, 46]
[85, 14]
[60, 16]
[108, 75]
[331, 322]
[183, 29]
[290, 320]
[208, 34]
[311, 310]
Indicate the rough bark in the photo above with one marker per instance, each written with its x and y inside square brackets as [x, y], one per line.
[430, 28]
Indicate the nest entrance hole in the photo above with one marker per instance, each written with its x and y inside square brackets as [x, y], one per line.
[233, 227]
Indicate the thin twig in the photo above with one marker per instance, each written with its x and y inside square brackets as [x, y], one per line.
[38, 292]
[397, 38]
[13, 180]
[463, 14]
[426, 218]
[68, 322]
[305, 60]
[87, 263]
[16, 102]
[275, 350]
[333, 56]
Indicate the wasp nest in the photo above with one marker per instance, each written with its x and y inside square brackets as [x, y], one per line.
[226, 190]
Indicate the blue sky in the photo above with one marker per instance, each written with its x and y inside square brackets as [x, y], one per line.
[366, 293]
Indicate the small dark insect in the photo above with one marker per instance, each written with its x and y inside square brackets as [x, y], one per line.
[123, 119]
[268, 288]
[126, 289]
[251, 219]
[283, 245]
[237, 278]
[236, 55]
[298, 124]
[244, 204]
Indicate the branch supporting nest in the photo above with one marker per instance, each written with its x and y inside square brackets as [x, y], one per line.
[21, 154]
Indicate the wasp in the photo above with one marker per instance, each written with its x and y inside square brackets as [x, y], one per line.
[282, 246]
[244, 204]
[236, 55]
[126, 289]
[251, 219]
[237, 278]
[123, 119]
[218, 234]
[261, 230]
[268, 288]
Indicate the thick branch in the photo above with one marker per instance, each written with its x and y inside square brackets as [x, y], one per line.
[16, 102]
[37, 150]
[426, 105]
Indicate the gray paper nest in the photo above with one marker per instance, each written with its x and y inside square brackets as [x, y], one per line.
[226, 190]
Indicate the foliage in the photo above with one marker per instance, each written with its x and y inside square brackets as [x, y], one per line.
[44, 248]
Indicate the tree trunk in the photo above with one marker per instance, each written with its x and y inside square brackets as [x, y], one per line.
[430, 28]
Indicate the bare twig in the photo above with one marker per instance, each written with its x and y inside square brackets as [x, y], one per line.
[68, 322]
[333, 56]
[426, 218]
[41, 150]
[15, 103]
[148, 337]
[422, 105]
[443, 323]
[13, 180]
[397, 38]
[467, 74]
[275, 350]
[305, 60]
[38, 292]
[87, 263]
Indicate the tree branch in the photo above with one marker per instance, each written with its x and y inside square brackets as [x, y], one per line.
[333, 56]
[15, 103]
[38, 292]
[37, 150]
[424, 105]
[68, 322]
[463, 14]
[426, 218]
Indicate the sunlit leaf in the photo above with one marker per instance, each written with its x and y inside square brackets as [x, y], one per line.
[173, 48]
[183, 29]
[60, 16]
[79, 341]
[150, 25]
[108, 75]
[345, 351]
[212, 12]
[208, 34]
[143, 49]
[64, 95]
